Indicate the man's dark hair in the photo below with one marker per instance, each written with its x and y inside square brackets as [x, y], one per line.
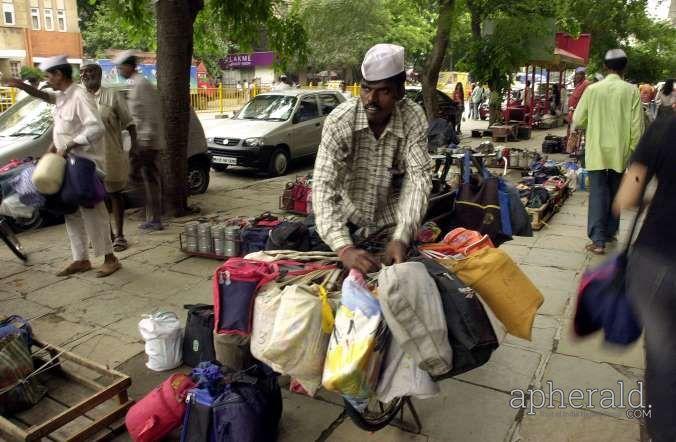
[65, 69]
[616, 64]
[131, 61]
[668, 87]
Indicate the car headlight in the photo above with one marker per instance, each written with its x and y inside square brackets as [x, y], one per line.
[210, 139]
[253, 142]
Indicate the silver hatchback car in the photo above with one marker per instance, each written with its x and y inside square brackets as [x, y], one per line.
[272, 129]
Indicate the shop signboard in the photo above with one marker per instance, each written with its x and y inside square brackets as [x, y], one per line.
[247, 60]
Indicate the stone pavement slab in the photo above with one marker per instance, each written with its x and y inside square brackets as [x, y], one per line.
[559, 259]
[23, 307]
[568, 373]
[557, 426]
[64, 293]
[509, 368]
[556, 301]
[304, 418]
[594, 348]
[466, 412]
[545, 329]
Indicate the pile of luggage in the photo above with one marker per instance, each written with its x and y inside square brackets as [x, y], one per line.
[545, 182]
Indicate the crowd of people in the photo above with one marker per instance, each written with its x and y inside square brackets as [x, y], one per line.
[89, 120]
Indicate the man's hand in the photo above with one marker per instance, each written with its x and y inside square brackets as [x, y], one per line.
[354, 258]
[395, 252]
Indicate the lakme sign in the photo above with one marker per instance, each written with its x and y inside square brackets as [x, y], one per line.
[247, 60]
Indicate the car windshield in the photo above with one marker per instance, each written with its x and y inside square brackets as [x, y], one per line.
[28, 117]
[269, 108]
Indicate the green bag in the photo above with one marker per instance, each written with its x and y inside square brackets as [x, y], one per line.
[18, 391]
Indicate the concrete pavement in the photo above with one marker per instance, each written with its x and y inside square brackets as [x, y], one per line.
[97, 318]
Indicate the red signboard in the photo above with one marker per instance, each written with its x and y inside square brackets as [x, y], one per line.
[577, 46]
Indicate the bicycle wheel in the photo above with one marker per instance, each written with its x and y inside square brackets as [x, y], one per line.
[12, 241]
[376, 416]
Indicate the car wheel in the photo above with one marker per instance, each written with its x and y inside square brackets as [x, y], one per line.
[279, 162]
[219, 167]
[198, 179]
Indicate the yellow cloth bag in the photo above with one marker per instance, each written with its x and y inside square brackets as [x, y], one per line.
[502, 285]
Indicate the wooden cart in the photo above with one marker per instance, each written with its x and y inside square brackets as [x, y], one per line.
[85, 401]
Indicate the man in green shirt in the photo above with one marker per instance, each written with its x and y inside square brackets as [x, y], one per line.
[610, 111]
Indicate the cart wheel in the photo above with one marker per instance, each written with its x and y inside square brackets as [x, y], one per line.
[377, 414]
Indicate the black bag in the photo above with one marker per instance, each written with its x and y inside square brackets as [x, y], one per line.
[477, 206]
[198, 341]
[289, 235]
[470, 332]
[316, 243]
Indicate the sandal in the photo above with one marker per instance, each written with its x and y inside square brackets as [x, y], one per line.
[108, 268]
[120, 244]
[596, 249]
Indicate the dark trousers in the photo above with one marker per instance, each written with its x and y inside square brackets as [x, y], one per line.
[602, 225]
[145, 164]
[651, 284]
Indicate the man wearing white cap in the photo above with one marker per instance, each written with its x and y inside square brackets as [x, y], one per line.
[145, 108]
[610, 111]
[78, 131]
[368, 146]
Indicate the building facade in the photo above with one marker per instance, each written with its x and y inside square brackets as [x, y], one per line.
[32, 30]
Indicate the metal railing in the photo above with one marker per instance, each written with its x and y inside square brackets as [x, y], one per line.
[206, 99]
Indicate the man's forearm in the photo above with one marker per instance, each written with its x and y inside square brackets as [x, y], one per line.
[37, 93]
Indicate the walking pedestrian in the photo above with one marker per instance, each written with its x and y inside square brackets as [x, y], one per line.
[651, 281]
[144, 104]
[459, 98]
[666, 98]
[116, 118]
[475, 101]
[78, 131]
[373, 168]
[611, 112]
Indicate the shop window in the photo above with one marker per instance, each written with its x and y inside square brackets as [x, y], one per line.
[49, 20]
[61, 20]
[15, 68]
[8, 13]
[35, 18]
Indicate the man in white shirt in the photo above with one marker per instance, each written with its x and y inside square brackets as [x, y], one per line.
[146, 111]
[78, 131]
[284, 83]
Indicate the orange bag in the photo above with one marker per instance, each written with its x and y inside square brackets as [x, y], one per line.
[458, 241]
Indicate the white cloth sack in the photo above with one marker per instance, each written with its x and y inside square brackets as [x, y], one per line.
[401, 377]
[49, 173]
[412, 308]
[163, 336]
[293, 341]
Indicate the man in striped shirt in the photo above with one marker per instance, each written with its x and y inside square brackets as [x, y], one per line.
[373, 168]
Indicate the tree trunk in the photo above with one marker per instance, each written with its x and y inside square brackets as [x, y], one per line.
[475, 18]
[430, 76]
[175, 20]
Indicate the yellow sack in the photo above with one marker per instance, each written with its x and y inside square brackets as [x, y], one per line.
[503, 286]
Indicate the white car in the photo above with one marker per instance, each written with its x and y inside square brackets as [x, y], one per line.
[272, 129]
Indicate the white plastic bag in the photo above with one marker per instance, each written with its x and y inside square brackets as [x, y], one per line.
[49, 173]
[163, 336]
[14, 208]
[401, 377]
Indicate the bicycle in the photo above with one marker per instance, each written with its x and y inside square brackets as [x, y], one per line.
[9, 237]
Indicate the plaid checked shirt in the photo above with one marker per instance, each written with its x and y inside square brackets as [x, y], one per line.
[353, 175]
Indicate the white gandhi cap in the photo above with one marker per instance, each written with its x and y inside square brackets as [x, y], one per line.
[382, 61]
[123, 56]
[53, 62]
[614, 54]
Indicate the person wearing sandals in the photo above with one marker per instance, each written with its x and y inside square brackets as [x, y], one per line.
[116, 118]
[611, 113]
[78, 131]
[144, 104]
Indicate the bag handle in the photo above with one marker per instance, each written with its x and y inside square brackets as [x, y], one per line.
[196, 307]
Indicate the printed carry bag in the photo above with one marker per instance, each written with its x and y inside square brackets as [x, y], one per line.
[357, 346]
[198, 341]
[503, 286]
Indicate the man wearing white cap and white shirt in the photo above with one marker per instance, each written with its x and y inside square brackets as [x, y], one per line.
[610, 111]
[78, 131]
[146, 111]
[368, 146]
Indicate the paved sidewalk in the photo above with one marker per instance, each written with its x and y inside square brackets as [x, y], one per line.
[97, 318]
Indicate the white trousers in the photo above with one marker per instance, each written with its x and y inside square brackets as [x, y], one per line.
[89, 225]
